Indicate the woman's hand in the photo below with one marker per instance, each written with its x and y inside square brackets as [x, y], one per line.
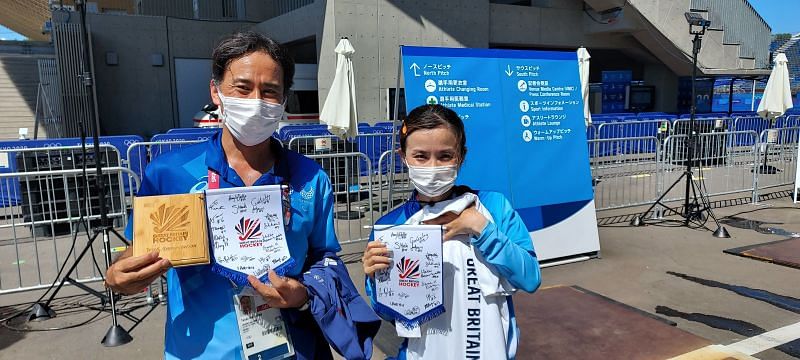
[375, 258]
[469, 222]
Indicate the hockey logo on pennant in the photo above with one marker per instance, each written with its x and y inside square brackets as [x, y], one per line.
[408, 272]
[249, 231]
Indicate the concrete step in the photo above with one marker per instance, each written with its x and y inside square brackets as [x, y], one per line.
[17, 122]
[19, 116]
[11, 90]
[19, 85]
[11, 95]
[14, 104]
[14, 100]
[19, 82]
[5, 114]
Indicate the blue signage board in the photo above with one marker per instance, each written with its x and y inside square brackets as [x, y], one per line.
[526, 135]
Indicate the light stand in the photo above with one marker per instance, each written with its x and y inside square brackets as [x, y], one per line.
[692, 208]
[116, 335]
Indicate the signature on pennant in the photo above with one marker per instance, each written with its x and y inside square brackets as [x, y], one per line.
[248, 229]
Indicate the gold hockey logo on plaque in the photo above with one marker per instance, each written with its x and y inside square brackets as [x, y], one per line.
[175, 225]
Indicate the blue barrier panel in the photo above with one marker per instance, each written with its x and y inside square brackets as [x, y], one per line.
[608, 130]
[591, 132]
[704, 115]
[155, 151]
[293, 133]
[8, 163]
[388, 124]
[601, 119]
[317, 129]
[373, 142]
[787, 121]
[616, 114]
[743, 114]
[753, 123]
[193, 130]
[657, 117]
[639, 129]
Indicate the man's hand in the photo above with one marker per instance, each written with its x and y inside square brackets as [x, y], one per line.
[131, 274]
[283, 292]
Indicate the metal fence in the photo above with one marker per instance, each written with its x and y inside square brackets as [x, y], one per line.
[45, 201]
[398, 181]
[777, 149]
[722, 165]
[353, 210]
[624, 171]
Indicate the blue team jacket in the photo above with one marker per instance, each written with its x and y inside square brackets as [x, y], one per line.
[348, 323]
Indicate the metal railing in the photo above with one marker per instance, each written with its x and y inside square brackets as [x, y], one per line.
[777, 149]
[722, 167]
[36, 244]
[353, 199]
[400, 183]
[624, 171]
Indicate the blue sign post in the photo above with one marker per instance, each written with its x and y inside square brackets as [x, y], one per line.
[526, 135]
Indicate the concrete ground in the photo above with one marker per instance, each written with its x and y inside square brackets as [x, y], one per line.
[639, 267]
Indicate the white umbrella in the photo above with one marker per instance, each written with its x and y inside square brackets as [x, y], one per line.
[583, 69]
[777, 95]
[339, 111]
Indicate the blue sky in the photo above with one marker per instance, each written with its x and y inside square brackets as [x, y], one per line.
[7, 34]
[782, 15]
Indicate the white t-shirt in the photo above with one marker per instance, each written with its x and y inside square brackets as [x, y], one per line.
[476, 321]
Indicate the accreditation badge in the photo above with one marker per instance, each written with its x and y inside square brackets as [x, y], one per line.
[261, 328]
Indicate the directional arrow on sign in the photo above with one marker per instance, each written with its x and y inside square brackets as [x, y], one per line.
[415, 67]
[508, 70]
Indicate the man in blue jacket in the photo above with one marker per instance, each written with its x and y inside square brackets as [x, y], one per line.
[252, 75]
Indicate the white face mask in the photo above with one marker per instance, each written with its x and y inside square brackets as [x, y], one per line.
[433, 181]
[251, 121]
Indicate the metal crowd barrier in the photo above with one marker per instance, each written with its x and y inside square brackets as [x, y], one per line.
[401, 184]
[780, 147]
[353, 199]
[749, 123]
[36, 235]
[722, 166]
[371, 144]
[626, 173]
[628, 177]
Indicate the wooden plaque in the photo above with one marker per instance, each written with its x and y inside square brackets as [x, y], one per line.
[175, 225]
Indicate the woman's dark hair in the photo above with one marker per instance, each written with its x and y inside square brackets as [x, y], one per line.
[244, 43]
[427, 117]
